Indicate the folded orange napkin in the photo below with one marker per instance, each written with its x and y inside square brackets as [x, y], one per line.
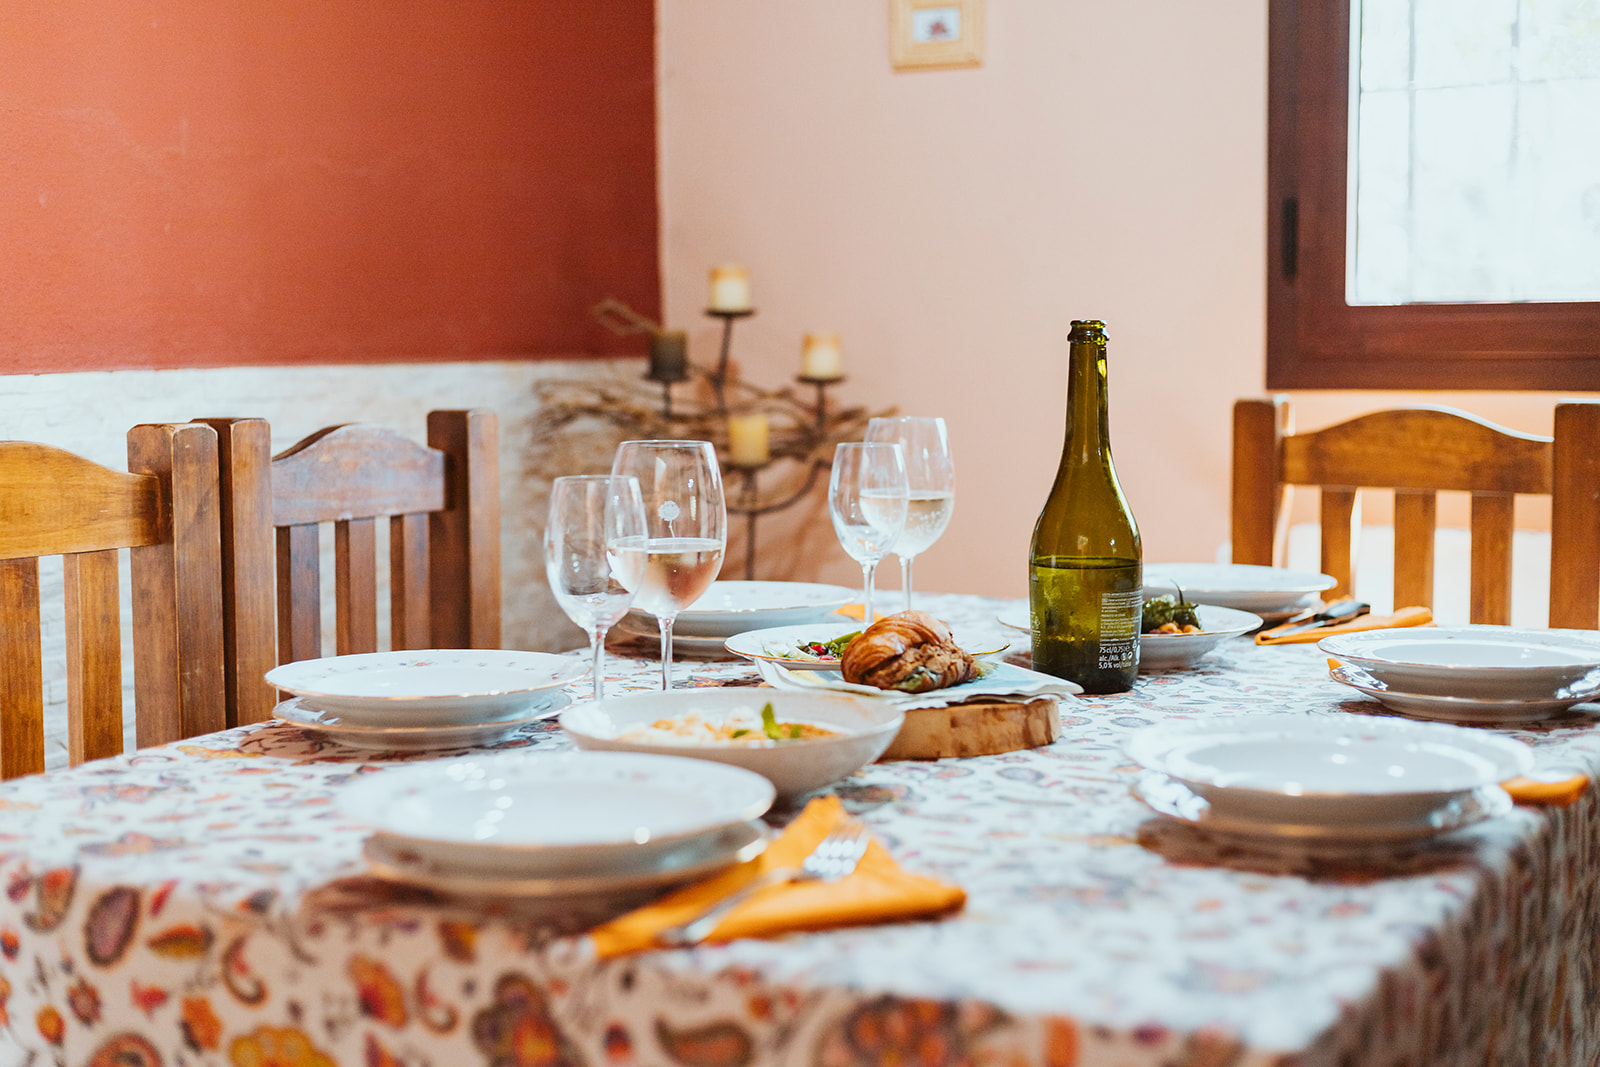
[1403, 617]
[857, 612]
[878, 891]
[1552, 794]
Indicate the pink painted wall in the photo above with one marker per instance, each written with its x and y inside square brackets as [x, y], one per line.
[1106, 161]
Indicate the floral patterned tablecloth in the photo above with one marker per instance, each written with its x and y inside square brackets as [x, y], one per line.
[205, 903]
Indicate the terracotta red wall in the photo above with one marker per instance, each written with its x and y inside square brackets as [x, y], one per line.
[197, 183]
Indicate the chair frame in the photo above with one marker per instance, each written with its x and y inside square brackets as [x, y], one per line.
[443, 505]
[164, 511]
[1463, 453]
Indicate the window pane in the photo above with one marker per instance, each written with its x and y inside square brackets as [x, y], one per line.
[1475, 148]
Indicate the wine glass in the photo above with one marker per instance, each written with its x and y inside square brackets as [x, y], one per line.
[867, 498]
[587, 513]
[931, 476]
[686, 530]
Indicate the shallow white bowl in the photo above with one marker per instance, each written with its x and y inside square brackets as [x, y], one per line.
[866, 727]
[1480, 710]
[1484, 662]
[1263, 590]
[553, 814]
[729, 608]
[1160, 652]
[431, 687]
[1336, 770]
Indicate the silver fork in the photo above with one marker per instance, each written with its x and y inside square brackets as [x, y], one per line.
[835, 856]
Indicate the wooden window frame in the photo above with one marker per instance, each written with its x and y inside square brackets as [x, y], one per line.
[1317, 341]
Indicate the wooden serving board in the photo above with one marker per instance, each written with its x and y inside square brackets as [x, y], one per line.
[978, 728]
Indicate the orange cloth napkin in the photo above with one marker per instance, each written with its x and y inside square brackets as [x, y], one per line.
[1403, 617]
[857, 612]
[1553, 794]
[878, 891]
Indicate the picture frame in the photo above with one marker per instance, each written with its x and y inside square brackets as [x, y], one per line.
[935, 34]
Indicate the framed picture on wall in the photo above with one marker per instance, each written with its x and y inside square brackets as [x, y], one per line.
[934, 34]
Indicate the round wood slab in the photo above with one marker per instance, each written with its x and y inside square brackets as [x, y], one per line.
[979, 728]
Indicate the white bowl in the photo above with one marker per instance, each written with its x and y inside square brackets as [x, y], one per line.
[1246, 586]
[1484, 662]
[1334, 770]
[729, 608]
[866, 726]
[1160, 652]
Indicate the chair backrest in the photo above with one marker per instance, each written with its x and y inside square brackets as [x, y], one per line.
[443, 505]
[1419, 452]
[164, 510]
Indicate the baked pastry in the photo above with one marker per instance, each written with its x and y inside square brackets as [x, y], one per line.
[912, 652]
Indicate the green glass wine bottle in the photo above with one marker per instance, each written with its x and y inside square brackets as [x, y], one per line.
[1085, 574]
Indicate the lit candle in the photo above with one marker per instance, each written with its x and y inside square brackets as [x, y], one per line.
[730, 288]
[669, 356]
[747, 440]
[819, 357]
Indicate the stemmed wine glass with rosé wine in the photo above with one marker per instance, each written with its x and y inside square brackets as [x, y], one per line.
[686, 530]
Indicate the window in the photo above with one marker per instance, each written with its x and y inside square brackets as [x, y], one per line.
[1448, 236]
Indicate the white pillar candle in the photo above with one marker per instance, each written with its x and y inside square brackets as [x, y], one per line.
[747, 440]
[819, 356]
[730, 288]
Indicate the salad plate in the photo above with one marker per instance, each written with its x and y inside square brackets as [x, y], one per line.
[493, 812]
[1483, 662]
[1247, 587]
[1467, 709]
[414, 738]
[727, 725]
[393, 861]
[1329, 770]
[729, 608]
[437, 687]
[1173, 799]
[802, 648]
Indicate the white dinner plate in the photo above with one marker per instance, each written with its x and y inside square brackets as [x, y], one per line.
[1485, 662]
[1159, 652]
[1328, 770]
[548, 815]
[435, 687]
[414, 738]
[1171, 798]
[863, 727]
[1263, 590]
[1465, 709]
[392, 861]
[778, 644]
[728, 608]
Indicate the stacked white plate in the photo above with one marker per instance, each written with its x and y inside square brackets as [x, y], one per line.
[561, 824]
[1470, 673]
[730, 608]
[1326, 781]
[1271, 592]
[439, 698]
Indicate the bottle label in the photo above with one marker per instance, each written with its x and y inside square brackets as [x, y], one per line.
[1119, 628]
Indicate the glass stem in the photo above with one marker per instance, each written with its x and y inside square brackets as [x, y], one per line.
[905, 578]
[866, 592]
[666, 652]
[597, 647]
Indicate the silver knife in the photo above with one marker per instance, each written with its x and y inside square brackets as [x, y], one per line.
[1332, 615]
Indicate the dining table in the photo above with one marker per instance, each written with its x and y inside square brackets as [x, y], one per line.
[207, 902]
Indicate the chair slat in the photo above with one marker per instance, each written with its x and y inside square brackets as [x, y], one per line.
[1337, 511]
[408, 582]
[355, 567]
[94, 655]
[21, 670]
[1419, 448]
[54, 502]
[464, 538]
[1575, 517]
[1415, 514]
[1257, 488]
[355, 472]
[299, 594]
[1492, 522]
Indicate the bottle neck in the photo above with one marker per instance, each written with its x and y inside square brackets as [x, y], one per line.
[1088, 428]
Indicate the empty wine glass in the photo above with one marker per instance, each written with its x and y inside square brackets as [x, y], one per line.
[587, 513]
[686, 530]
[867, 497]
[931, 476]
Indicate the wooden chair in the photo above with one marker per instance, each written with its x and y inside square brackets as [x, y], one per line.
[1418, 452]
[443, 505]
[164, 510]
